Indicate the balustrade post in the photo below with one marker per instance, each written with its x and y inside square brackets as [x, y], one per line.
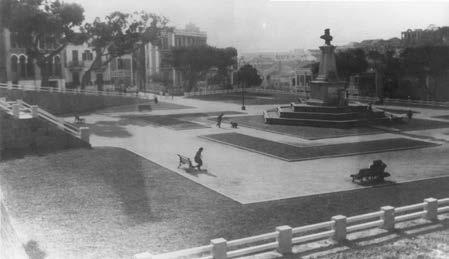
[34, 111]
[284, 239]
[16, 110]
[431, 208]
[339, 227]
[85, 134]
[219, 248]
[388, 217]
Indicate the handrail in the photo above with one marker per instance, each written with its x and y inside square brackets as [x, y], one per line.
[428, 209]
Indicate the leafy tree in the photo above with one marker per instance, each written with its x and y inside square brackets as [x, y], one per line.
[195, 61]
[349, 62]
[41, 23]
[248, 75]
[425, 63]
[119, 34]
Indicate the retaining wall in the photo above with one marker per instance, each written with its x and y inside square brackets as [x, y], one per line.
[24, 136]
[64, 103]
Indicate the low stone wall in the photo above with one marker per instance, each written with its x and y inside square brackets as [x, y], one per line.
[23, 136]
[63, 103]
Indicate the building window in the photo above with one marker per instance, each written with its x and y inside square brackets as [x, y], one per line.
[49, 67]
[22, 67]
[30, 68]
[76, 78]
[57, 66]
[87, 55]
[75, 55]
[14, 64]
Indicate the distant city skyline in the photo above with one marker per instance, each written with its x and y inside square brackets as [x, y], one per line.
[277, 26]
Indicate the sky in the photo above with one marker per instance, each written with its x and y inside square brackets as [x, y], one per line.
[283, 25]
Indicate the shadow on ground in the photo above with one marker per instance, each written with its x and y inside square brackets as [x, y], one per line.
[33, 250]
[196, 172]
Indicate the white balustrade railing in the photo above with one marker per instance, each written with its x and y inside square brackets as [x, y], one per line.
[285, 237]
[35, 111]
[66, 91]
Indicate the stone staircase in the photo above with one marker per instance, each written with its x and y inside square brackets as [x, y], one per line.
[323, 116]
[27, 129]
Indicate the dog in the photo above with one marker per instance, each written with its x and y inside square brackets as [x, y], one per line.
[234, 124]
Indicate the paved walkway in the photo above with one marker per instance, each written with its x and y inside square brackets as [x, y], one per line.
[249, 177]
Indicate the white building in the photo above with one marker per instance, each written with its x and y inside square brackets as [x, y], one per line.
[78, 60]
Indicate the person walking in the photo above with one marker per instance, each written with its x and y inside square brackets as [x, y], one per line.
[219, 120]
[198, 158]
[409, 114]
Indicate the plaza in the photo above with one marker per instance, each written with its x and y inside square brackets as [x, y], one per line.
[127, 136]
[131, 177]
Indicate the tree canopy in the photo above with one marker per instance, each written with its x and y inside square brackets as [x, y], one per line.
[122, 33]
[248, 75]
[44, 28]
[195, 61]
[349, 62]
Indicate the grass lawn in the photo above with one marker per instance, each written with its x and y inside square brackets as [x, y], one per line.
[416, 124]
[154, 107]
[422, 240]
[305, 132]
[398, 111]
[180, 121]
[446, 117]
[250, 98]
[110, 203]
[294, 153]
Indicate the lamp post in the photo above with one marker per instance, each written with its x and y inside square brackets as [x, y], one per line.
[243, 96]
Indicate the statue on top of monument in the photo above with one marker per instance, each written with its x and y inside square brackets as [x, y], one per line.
[327, 37]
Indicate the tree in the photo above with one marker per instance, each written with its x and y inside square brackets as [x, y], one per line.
[248, 75]
[195, 61]
[44, 28]
[349, 62]
[119, 34]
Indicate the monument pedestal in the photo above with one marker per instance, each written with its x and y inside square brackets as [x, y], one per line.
[328, 105]
[327, 93]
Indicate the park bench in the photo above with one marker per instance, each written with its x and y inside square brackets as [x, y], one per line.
[142, 107]
[79, 120]
[183, 160]
[375, 173]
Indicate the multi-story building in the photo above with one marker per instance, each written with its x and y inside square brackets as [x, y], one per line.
[285, 78]
[431, 36]
[21, 69]
[190, 36]
[78, 60]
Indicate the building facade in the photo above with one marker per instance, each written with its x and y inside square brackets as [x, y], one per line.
[190, 36]
[21, 69]
[431, 36]
[78, 60]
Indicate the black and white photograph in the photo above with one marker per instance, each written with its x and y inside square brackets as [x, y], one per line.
[216, 129]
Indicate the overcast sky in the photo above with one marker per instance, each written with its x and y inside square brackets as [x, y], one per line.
[282, 25]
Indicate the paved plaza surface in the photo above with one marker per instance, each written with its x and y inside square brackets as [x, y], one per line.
[249, 177]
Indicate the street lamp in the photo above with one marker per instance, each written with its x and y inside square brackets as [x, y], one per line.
[243, 97]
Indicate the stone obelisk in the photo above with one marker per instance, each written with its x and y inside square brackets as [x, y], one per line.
[327, 89]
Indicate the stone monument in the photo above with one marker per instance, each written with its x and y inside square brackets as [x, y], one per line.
[327, 89]
[328, 105]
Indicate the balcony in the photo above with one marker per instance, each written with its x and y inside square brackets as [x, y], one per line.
[121, 73]
[76, 65]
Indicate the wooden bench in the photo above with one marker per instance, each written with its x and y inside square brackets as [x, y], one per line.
[376, 172]
[142, 107]
[79, 120]
[183, 160]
